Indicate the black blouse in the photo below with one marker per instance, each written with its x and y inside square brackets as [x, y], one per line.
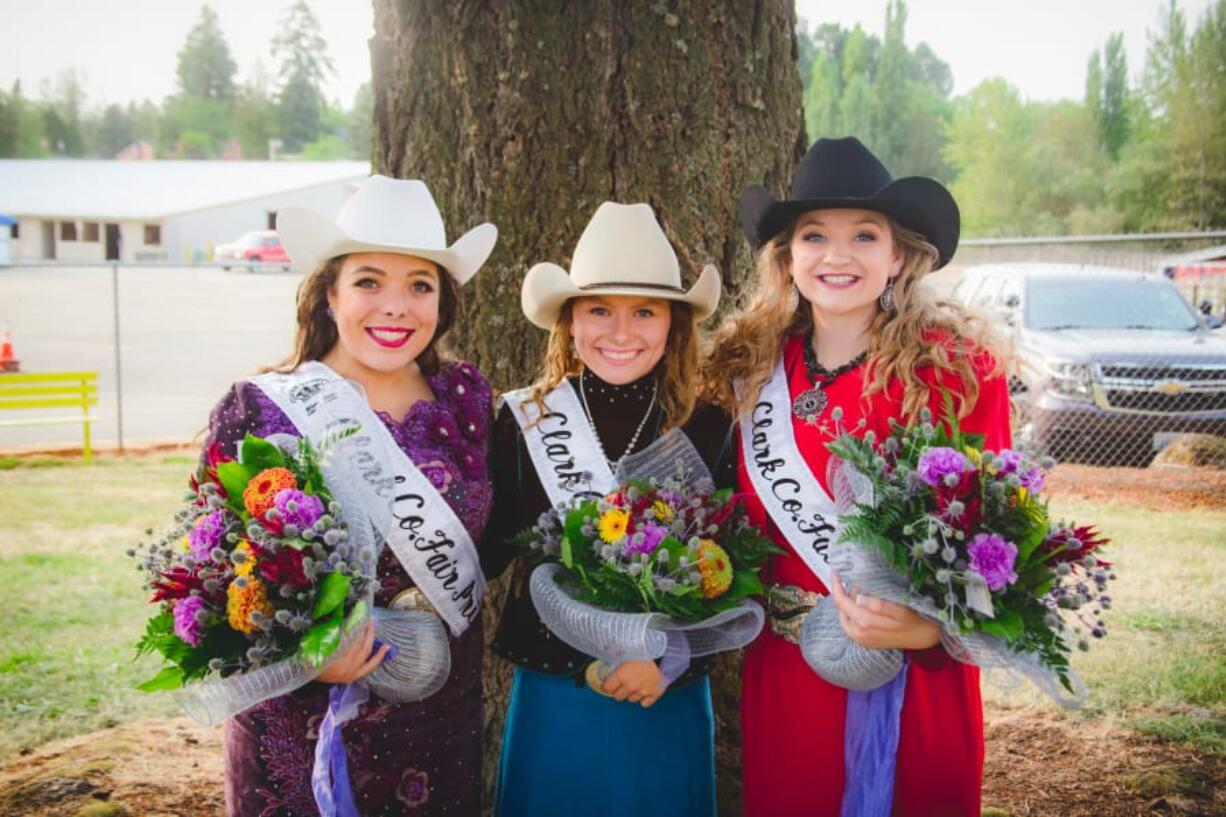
[519, 499]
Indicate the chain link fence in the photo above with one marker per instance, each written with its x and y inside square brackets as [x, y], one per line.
[1123, 358]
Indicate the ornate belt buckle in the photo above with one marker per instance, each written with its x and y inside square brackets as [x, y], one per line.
[411, 599]
[786, 608]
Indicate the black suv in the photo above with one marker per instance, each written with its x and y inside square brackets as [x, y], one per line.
[1116, 364]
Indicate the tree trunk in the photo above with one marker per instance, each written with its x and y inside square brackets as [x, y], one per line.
[530, 113]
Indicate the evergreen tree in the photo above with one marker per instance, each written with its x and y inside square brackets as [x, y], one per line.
[305, 64]
[1113, 110]
[205, 68]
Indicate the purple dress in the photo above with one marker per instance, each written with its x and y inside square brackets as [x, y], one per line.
[419, 758]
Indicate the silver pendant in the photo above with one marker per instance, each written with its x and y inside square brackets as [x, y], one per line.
[809, 405]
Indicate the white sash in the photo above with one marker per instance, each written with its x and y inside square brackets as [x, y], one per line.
[798, 505]
[564, 451]
[419, 526]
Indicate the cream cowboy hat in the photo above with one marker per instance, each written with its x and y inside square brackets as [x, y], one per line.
[622, 251]
[384, 215]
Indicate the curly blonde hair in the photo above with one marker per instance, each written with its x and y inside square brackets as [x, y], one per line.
[675, 378]
[920, 332]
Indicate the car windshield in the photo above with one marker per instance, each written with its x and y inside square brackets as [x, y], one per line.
[1107, 303]
[250, 239]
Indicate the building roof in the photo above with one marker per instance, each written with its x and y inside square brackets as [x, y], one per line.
[146, 191]
[1194, 257]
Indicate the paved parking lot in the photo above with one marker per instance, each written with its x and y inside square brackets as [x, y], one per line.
[185, 335]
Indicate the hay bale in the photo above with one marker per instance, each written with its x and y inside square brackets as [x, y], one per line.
[1194, 450]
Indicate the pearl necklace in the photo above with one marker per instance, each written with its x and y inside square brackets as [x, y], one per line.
[595, 433]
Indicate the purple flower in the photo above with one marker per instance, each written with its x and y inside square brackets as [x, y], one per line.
[652, 535]
[993, 558]
[207, 534]
[186, 625]
[1033, 479]
[443, 428]
[936, 463]
[306, 512]
[1008, 461]
[414, 788]
[438, 473]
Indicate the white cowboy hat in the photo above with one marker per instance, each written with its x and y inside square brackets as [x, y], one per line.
[384, 215]
[622, 251]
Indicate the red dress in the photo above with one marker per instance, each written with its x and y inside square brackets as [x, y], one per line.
[792, 720]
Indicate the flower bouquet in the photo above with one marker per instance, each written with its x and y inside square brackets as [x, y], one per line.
[261, 571]
[963, 536]
[652, 570]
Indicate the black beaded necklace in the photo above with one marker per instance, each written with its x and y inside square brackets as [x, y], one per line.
[810, 403]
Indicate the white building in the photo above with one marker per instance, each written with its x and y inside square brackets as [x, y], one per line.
[95, 210]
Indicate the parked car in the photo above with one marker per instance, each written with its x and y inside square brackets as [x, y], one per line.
[1115, 363]
[262, 246]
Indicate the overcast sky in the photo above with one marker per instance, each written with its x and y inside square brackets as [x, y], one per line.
[127, 48]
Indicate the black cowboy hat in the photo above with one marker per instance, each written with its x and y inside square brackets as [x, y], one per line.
[843, 173]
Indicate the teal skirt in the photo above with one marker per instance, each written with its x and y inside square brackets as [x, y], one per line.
[567, 750]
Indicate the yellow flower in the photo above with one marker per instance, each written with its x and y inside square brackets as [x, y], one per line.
[663, 512]
[247, 565]
[241, 602]
[185, 544]
[715, 568]
[613, 524]
[975, 457]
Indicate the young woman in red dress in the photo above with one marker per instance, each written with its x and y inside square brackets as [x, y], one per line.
[841, 316]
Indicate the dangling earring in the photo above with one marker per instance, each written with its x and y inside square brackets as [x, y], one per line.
[887, 297]
[793, 298]
[328, 312]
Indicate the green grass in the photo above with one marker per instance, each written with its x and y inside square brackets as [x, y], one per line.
[72, 601]
[1162, 668]
[73, 607]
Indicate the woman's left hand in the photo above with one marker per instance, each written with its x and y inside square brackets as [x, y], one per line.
[879, 624]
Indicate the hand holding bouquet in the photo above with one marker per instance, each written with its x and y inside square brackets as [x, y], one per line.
[963, 536]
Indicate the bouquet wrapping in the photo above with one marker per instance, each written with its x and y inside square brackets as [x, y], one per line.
[663, 567]
[962, 535]
[267, 578]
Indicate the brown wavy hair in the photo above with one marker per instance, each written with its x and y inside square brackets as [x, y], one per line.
[675, 374]
[316, 334]
[921, 331]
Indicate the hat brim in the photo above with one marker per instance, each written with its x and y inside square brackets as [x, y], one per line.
[547, 287]
[310, 239]
[915, 202]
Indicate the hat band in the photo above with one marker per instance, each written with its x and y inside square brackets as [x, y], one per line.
[634, 284]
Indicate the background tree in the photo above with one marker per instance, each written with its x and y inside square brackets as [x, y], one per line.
[531, 113]
[1112, 114]
[894, 99]
[303, 52]
[255, 113]
[115, 132]
[205, 67]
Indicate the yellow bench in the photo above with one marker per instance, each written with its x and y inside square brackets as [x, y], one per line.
[37, 390]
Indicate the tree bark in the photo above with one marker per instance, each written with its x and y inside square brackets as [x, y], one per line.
[530, 113]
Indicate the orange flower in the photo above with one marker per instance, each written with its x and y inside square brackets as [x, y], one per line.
[241, 602]
[263, 489]
[715, 568]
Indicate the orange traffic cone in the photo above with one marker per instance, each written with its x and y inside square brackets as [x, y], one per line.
[8, 363]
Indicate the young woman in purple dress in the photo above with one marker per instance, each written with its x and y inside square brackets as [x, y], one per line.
[379, 294]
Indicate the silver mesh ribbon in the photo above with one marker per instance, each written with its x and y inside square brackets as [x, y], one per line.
[615, 637]
[671, 455]
[423, 658]
[412, 675]
[834, 656]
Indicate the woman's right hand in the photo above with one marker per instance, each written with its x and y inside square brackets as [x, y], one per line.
[357, 661]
